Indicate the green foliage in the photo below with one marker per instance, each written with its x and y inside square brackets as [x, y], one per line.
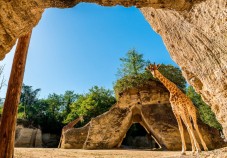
[132, 64]
[28, 98]
[48, 113]
[136, 76]
[52, 113]
[174, 75]
[1, 109]
[95, 102]
[68, 98]
[128, 82]
[205, 112]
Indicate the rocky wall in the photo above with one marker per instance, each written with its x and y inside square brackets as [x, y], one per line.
[197, 41]
[28, 137]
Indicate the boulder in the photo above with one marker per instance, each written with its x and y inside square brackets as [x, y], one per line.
[28, 137]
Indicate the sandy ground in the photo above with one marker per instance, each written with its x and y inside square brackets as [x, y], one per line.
[79, 153]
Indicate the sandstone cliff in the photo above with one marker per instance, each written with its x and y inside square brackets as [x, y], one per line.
[197, 41]
[194, 31]
[149, 106]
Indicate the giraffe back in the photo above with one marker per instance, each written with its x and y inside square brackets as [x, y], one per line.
[182, 104]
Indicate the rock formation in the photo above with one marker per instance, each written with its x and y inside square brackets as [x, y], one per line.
[197, 41]
[28, 137]
[194, 31]
[149, 106]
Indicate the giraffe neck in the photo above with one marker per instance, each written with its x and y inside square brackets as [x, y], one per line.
[167, 83]
[71, 124]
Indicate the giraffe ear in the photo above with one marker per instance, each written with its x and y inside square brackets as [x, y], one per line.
[158, 66]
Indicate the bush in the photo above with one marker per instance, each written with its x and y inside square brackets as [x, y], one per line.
[205, 112]
[170, 72]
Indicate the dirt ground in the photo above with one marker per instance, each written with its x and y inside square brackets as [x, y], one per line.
[79, 153]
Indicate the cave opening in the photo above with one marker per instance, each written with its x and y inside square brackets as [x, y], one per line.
[138, 138]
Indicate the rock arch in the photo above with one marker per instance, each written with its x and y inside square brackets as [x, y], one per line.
[154, 113]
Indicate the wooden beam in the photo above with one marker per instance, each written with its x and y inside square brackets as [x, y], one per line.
[9, 115]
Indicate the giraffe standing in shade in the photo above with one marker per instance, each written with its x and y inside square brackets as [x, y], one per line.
[183, 109]
[69, 126]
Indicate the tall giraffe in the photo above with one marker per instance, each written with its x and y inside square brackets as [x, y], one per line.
[182, 108]
[67, 127]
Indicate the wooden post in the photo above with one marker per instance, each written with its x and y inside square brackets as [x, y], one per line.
[9, 115]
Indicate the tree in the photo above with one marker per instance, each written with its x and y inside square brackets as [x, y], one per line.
[68, 98]
[133, 74]
[173, 74]
[132, 64]
[2, 78]
[2, 84]
[205, 112]
[27, 99]
[56, 105]
[95, 102]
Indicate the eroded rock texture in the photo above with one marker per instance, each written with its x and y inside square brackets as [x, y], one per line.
[197, 41]
[149, 106]
[17, 17]
[194, 31]
[28, 137]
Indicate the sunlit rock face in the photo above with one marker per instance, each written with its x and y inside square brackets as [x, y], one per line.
[148, 106]
[17, 17]
[197, 41]
[194, 31]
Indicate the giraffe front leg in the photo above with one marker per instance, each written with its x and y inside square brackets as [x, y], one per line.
[181, 129]
[192, 143]
[59, 145]
[198, 132]
[195, 141]
[191, 133]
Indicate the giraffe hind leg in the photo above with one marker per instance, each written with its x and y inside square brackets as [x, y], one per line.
[188, 124]
[199, 134]
[192, 143]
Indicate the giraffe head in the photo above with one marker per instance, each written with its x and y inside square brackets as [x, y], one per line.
[152, 68]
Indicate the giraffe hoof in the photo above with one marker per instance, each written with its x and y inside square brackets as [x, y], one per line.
[183, 153]
[197, 152]
[205, 149]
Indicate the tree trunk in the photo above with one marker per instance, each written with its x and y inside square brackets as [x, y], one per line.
[9, 115]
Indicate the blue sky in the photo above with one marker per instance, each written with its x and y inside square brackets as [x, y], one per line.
[77, 48]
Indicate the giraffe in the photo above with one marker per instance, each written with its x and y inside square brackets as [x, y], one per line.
[67, 127]
[183, 109]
